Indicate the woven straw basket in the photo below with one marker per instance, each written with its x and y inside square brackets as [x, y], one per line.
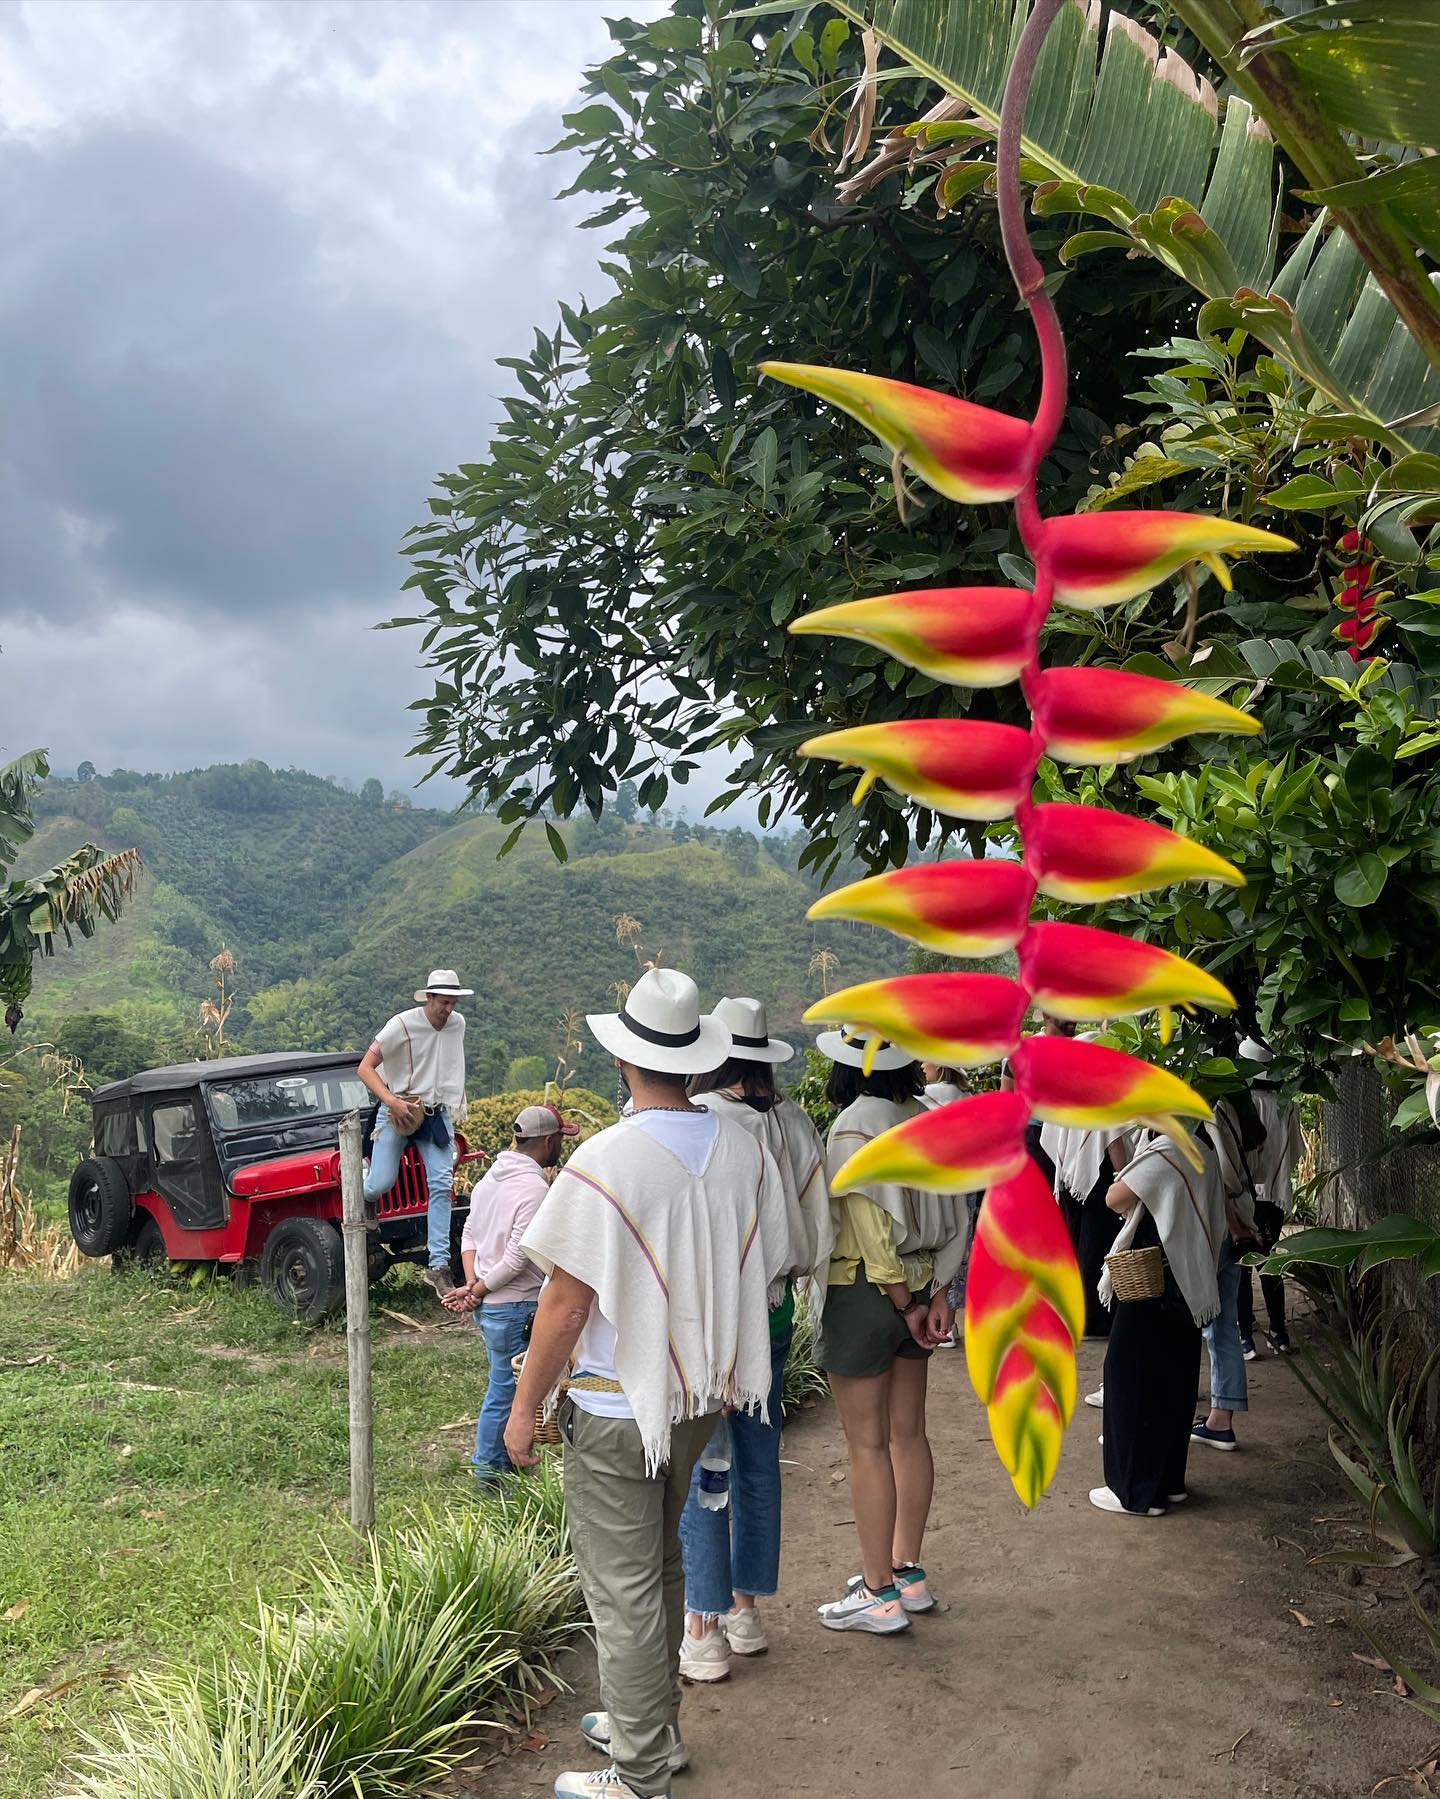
[547, 1424]
[1137, 1273]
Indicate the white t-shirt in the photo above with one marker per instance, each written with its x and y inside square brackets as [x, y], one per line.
[690, 1136]
[422, 1062]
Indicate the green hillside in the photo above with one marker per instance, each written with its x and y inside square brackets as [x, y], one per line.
[335, 905]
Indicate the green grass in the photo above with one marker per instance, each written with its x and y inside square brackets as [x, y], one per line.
[174, 1450]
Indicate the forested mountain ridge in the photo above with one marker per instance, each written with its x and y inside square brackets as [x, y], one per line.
[335, 904]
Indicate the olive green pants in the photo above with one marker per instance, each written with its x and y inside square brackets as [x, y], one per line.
[625, 1534]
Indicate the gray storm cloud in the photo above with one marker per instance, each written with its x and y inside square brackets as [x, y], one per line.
[259, 263]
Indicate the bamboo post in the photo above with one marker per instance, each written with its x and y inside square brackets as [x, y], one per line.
[357, 1326]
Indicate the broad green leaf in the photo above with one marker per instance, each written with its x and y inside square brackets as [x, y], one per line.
[1362, 880]
[1410, 190]
[1373, 64]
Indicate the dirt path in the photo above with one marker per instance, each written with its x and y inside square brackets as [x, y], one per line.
[1080, 1655]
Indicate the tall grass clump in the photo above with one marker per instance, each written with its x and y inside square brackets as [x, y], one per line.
[803, 1378]
[375, 1682]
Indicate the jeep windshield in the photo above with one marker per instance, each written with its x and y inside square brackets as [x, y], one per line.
[283, 1099]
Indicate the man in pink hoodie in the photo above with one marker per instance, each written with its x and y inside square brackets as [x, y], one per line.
[502, 1285]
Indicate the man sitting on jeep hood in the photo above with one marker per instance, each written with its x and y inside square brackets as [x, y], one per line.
[416, 1069]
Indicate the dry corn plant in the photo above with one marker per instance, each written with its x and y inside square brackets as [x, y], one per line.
[214, 1013]
[627, 934]
[25, 1243]
[567, 1061]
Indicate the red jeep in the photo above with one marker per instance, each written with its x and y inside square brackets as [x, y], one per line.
[237, 1161]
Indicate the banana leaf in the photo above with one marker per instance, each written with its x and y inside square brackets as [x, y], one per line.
[1127, 131]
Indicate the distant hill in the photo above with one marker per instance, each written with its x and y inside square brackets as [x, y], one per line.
[336, 904]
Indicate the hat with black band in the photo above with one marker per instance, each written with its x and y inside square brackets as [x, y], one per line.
[660, 1026]
[750, 1039]
[847, 1045]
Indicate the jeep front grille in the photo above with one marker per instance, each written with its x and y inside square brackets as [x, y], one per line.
[411, 1192]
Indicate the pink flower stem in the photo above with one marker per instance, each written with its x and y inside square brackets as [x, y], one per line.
[1028, 274]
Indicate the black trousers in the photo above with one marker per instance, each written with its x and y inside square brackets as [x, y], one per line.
[1093, 1228]
[1152, 1367]
[1269, 1221]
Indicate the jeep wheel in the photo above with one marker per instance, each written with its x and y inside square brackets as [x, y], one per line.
[303, 1268]
[100, 1208]
[146, 1248]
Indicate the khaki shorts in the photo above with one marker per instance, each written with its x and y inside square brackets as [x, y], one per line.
[861, 1333]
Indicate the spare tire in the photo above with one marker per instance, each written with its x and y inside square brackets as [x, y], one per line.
[302, 1267]
[100, 1207]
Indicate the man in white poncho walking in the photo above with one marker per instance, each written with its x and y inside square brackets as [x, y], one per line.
[661, 1237]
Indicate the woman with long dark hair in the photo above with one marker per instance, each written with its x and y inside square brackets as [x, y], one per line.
[895, 1253]
[732, 1555]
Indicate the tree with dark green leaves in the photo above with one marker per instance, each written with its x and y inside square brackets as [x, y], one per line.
[607, 586]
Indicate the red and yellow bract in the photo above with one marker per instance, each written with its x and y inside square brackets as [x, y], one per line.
[1084, 854]
[1097, 558]
[1097, 715]
[959, 1148]
[964, 451]
[965, 1020]
[1077, 972]
[957, 908]
[967, 636]
[960, 766]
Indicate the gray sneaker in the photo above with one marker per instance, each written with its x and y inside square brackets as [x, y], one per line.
[439, 1279]
[595, 1728]
[881, 1614]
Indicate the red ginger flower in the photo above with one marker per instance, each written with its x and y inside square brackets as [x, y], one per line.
[1025, 1309]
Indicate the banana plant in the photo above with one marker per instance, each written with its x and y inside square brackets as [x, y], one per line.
[1025, 1305]
[1129, 134]
[73, 896]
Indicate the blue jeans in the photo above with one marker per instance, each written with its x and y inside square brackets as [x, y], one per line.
[1228, 1389]
[386, 1148]
[503, 1327]
[737, 1550]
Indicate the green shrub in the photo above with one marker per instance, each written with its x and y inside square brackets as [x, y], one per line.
[808, 1091]
[372, 1683]
[489, 1123]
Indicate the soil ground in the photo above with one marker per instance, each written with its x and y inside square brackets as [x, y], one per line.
[1078, 1654]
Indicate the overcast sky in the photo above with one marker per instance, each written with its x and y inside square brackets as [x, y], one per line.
[258, 261]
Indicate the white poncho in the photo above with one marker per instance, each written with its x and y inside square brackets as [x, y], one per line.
[933, 1224]
[793, 1141]
[1080, 1156]
[1189, 1212]
[679, 1263]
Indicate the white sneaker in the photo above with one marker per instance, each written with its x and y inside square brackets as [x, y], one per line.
[705, 1658]
[604, 1781]
[744, 1630]
[1107, 1501]
[595, 1728]
[910, 1583]
[1176, 1498]
[881, 1614]
[1097, 1398]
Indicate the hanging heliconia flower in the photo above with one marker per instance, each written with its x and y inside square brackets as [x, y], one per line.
[1024, 1306]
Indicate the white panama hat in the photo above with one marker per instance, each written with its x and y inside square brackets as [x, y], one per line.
[1252, 1050]
[660, 1026]
[442, 980]
[750, 1039]
[847, 1045]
